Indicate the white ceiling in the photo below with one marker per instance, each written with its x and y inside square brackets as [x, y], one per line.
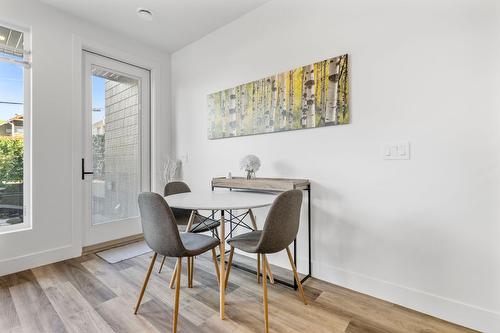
[175, 24]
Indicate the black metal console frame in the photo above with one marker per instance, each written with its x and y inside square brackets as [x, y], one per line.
[276, 279]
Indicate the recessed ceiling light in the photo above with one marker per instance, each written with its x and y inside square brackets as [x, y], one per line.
[145, 14]
[2, 37]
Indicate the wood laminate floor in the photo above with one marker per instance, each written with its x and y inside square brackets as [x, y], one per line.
[89, 295]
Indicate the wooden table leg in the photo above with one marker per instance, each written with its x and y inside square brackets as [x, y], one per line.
[252, 219]
[222, 271]
[214, 258]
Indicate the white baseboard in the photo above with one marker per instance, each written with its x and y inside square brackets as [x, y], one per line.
[450, 310]
[32, 260]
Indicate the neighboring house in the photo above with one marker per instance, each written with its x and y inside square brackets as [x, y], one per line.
[98, 127]
[12, 127]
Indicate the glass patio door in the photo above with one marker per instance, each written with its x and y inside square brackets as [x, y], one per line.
[116, 146]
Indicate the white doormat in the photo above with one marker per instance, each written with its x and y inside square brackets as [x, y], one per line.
[124, 252]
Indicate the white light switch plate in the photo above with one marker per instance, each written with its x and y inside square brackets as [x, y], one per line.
[396, 151]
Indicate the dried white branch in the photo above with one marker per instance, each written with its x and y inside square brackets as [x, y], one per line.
[170, 167]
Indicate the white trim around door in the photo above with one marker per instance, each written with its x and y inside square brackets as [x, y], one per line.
[156, 71]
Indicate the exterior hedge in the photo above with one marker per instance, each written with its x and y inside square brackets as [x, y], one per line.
[11, 159]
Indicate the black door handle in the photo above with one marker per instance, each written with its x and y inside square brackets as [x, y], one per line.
[83, 170]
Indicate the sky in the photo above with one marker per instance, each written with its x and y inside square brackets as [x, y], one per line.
[97, 97]
[12, 90]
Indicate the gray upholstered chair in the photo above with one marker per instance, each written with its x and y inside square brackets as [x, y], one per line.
[200, 223]
[280, 229]
[163, 237]
[182, 216]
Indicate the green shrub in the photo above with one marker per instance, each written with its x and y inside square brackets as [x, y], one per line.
[98, 155]
[11, 159]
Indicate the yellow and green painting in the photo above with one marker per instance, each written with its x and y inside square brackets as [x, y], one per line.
[311, 96]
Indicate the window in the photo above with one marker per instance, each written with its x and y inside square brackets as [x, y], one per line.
[14, 118]
[115, 146]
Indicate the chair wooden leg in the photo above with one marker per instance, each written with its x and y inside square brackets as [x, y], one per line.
[161, 266]
[258, 267]
[146, 280]
[172, 279]
[269, 273]
[177, 293]
[217, 272]
[229, 264]
[192, 273]
[189, 271]
[296, 275]
[264, 287]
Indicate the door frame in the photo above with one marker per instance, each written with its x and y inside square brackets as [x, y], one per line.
[79, 45]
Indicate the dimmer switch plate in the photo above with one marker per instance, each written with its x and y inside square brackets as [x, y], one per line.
[396, 151]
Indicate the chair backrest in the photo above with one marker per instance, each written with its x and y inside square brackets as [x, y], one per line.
[159, 225]
[176, 188]
[282, 222]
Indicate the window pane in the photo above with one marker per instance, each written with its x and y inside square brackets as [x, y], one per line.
[11, 130]
[115, 146]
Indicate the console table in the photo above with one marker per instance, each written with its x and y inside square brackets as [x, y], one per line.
[273, 185]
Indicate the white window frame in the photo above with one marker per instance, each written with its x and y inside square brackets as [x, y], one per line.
[27, 108]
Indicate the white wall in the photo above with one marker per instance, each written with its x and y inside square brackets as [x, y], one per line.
[423, 233]
[55, 235]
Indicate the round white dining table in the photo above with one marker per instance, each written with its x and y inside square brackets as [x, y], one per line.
[208, 200]
[220, 201]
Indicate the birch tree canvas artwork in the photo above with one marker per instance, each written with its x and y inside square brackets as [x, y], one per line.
[311, 96]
